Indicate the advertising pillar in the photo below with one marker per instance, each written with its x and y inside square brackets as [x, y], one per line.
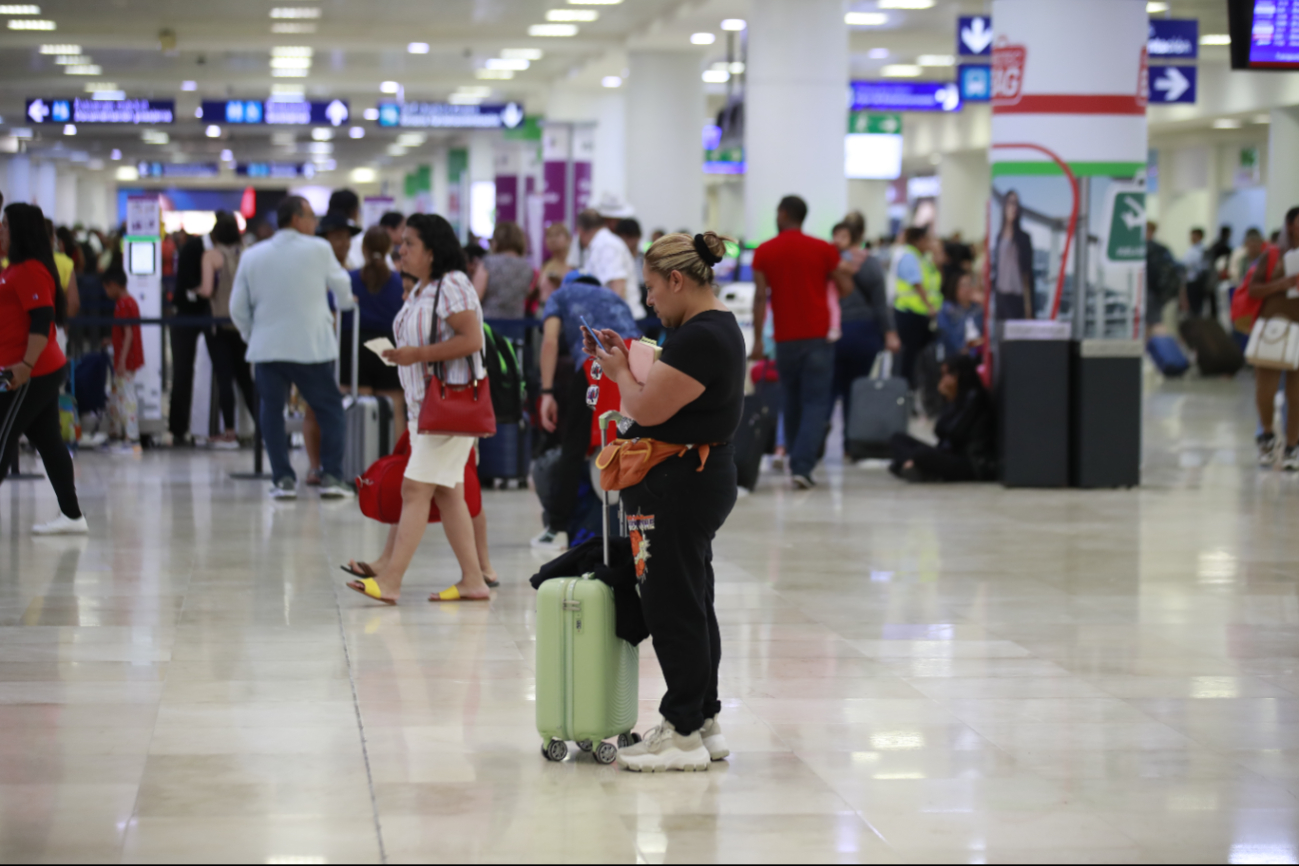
[583, 157]
[556, 155]
[142, 256]
[508, 165]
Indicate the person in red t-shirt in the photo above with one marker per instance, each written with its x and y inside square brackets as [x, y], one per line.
[128, 356]
[793, 269]
[31, 363]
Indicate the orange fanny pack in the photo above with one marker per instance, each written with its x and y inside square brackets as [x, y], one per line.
[625, 462]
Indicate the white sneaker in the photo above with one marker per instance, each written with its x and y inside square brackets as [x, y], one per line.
[803, 482]
[223, 444]
[1267, 448]
[714, 742]
[284, 489]
[664, 750]
[1290, 462]
[547, 540]
[332, 488]
[63, 525]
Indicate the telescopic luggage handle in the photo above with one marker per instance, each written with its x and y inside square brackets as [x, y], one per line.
[607, 417]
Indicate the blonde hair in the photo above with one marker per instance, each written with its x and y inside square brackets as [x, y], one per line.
[677, 252]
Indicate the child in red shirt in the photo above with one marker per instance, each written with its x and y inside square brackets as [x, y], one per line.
[128, 356]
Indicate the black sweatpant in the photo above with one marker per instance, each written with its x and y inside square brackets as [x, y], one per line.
[934, 464]
[914, 332]
[228, 351]
[672, 517]
[184, 350]
[33, 410]
[575, 440]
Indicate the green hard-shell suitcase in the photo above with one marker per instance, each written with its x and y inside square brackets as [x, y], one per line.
[588, 678]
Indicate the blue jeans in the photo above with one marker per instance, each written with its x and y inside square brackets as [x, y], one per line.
[806, 370]
[317, 386]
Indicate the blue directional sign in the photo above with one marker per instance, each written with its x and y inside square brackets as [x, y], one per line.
[442, 115]
[275, 169]
[178, 169]
[906, 96]
[974, 35]
[1170, 84]
[244, 111]
[1174, 37]
[144, 112]
[975, 80]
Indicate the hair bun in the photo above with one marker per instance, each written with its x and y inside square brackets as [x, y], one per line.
[701, 246]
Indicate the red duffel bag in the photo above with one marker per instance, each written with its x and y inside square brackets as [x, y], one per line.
[379, 489]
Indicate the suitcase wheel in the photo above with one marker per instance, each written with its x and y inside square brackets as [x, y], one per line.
[625, 740]
[605, 753]
[584, 745]
[555, 750]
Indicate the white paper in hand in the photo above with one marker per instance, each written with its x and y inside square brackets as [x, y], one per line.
[379, 345]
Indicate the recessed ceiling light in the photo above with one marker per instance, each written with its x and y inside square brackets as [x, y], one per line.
[396, 150]
[611, 81]
[198, 112]
[1215, 39]
[734, 24]
[19, 9]
[1155, 7]
[289, 73]
[287, 90]
[522, 53]
[594, 2]
[411, 139]
[84, 70]
[115, 154]
[292, 51]
[494, 74]
[295, 12]
[936, 60]
[389, 87]
[321, 133]
[320, 148]
[227, 155]
[73, 60]
[877, 53]
[189, 85]
[572, 15]
[60, 49]
[363, 174]
[32, 24]
[290, 62]
[465, 99]
[108, 95]
[716, 76]
[127, 172]
[69, 129]
[213, 131]
[906, 4]
[98, 86]
[474, 90]
[370, 114]
[417, 48]
[507, 63]
[551, 30]
[901, 70]
[865, 19]
[703, 38]
[287, 27]
[1226, 123]
[356, 132]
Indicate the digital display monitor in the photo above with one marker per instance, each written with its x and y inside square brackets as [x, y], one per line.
[143, 258]
[1264, 34]
[870, 156]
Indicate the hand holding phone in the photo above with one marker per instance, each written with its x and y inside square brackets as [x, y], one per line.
[594, 335]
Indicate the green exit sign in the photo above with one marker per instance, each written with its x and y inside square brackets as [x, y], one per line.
[873, 122]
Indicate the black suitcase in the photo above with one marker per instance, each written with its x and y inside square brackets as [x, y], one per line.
[1216, 353]
[757, 426]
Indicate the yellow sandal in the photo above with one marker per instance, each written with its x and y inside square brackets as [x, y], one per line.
[368, 586]
[453, 594]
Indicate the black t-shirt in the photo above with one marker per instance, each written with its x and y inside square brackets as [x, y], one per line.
[189, 276]
[709, 349]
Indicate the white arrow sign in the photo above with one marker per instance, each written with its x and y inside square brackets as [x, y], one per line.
[511, 115]
[949, 97]
[1134, 214]
[336, 111]
[977, 36]
[1174, 84]
[38, 111]
[889, 124]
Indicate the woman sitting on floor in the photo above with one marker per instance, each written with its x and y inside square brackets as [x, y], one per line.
[966, 431]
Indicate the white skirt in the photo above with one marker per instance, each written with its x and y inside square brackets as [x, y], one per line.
[440, 460]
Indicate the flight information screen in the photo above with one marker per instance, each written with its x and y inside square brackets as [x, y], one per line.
[1274, 34]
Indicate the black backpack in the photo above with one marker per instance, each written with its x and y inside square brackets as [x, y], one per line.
[504, 377]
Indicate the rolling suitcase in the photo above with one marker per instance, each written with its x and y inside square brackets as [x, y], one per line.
[881, 407]
[1167, 355]
[505, 456]
[367, 422]
[757, 426]
[588, 678]
[1216, 354]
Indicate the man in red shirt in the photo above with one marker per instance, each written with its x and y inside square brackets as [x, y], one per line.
[793, 269]
[128, 356]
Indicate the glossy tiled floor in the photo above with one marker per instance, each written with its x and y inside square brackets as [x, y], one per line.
[935, 674]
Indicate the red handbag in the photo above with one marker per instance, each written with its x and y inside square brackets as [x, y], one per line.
[455, 410]
[379, 489]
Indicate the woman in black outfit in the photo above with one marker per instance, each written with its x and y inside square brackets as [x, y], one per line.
[32, 302]
[966, 431]
[693, 395]
[1011, 267]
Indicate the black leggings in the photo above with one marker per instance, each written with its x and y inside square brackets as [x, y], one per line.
[34, 410]
[228, 351]
[672, 517]
[575, 441]
[934, 464]
[915, 333]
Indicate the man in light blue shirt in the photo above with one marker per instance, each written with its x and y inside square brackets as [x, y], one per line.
[280, 304]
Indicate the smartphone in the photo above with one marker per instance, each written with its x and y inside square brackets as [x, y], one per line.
[6, 377]
[593, 334]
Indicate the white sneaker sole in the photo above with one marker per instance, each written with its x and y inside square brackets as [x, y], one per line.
[51, 533]
[717, 748]
[694, 761]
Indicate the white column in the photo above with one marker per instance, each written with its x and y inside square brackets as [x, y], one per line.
[65, 199]
[439, 180]
[1282, 170]
[795, 113]
[964, 180]
[20, 179]
[665, 154]
[45, 193]
[871, 198]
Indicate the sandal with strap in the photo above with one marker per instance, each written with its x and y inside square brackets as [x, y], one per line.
[369, 587]
[453, 594]
[362, 569]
